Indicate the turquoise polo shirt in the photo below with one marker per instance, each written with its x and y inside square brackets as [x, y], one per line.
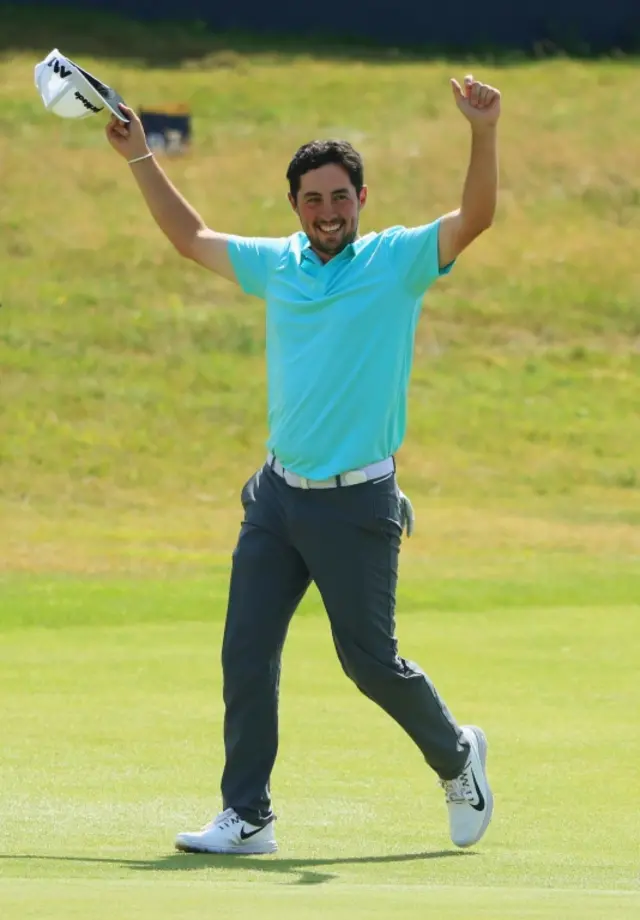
[340, 339]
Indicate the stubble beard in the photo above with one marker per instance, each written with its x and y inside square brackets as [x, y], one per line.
[334, 249]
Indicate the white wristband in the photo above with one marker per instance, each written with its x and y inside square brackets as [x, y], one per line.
[137, 159]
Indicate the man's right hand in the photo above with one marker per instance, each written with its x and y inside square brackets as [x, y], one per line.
[128, 140]
[180, 223]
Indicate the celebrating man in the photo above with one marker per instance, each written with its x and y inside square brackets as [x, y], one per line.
[341, 313]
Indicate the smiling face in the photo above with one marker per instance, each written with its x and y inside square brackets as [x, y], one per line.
[328, 206]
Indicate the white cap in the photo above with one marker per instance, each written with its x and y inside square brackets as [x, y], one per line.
[71, 92]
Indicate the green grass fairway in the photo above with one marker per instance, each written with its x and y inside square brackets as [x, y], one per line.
[111, 744]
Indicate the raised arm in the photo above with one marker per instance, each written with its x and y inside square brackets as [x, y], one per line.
[480, 104]
[180, 223]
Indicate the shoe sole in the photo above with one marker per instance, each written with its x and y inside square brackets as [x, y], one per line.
[483, 746]
[228, 851]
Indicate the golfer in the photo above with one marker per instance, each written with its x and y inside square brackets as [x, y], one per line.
[341, 314]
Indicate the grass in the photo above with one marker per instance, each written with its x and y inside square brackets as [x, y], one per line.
[133, 409]
[133, 383]
[111, 743]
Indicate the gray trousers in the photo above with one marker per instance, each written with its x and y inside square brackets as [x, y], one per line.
[347, 540]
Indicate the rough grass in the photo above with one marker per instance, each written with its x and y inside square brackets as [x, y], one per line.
[133, 382]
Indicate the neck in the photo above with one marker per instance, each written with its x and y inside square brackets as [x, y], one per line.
[324, 256]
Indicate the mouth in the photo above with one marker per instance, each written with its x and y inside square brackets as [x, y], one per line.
[330, 229]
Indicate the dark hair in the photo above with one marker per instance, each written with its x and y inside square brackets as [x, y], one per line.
[318, 153]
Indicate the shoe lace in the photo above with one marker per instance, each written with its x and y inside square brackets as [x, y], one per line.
[458, 791]
[226, 818]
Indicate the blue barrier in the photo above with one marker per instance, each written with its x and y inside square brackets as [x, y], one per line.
[573, 25]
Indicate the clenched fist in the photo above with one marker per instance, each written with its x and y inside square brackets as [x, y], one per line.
[478, 102]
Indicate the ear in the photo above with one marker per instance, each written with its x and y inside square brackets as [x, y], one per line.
[292, 201]
[362, 197]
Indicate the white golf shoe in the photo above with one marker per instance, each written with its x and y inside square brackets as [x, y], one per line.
[469, 798]
[228, 833]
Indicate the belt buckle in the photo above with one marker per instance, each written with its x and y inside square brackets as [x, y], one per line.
[304, 482]
[354, 477]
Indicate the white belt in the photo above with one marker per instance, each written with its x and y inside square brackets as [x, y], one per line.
[352, 478]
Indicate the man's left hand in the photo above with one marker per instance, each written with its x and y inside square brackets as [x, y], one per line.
[478, 102]
[407, 515]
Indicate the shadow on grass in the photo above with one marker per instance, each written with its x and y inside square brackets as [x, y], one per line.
[303, 868]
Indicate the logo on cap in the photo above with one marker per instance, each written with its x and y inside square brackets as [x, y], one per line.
[59, 68]
[86, 103]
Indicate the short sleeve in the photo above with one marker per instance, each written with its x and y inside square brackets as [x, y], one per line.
[254, 259]
[414, 255]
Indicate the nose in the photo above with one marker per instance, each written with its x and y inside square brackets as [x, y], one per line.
[328, 212]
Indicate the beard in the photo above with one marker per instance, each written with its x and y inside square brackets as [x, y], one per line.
[332, 244]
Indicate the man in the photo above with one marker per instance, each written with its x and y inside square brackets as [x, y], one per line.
[341, 316]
